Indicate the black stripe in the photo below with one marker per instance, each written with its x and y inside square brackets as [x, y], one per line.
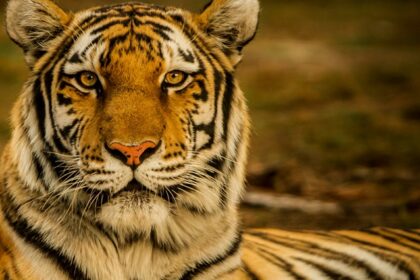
[278, 261]
[39, 107]
[100, 29]
[91, 21]
[35, 158]
[164, 36]
[105, 13]
[48, 84]
[230, 160]
[227, 102]
[251, 275]
[394, 240]
[113, 42]
[216, 164]
[415, 232]
[394, 260]
[171, 245]
[40, 173]
[74, 136]
[153, 14]
[397, 238]
[186, 55]
[128, 240]
[32, 236]
[158, 28]
[64, 100]
[75, 58]
[206, 6]
[153, 24]
[203, 95]
[69, 41]
[108, 9]
[65, 131]
[311, 248]
[91, 46]
[58, 166]
[203, 266]
[194, 209]
[325, 270]
[209, 128]
[405, 234]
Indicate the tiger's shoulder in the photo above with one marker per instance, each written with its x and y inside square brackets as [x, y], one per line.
[377, 253]
[12, 265]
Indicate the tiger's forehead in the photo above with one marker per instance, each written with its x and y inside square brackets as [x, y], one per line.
[139, 33]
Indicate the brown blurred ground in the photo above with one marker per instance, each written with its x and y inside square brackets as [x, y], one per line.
[334, 93]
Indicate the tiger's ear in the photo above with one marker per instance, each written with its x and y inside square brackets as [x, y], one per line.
[232, 23]
[32, 24]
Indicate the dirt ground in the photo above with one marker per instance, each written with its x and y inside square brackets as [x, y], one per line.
[334, 95]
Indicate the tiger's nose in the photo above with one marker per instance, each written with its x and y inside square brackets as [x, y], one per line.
[132, 155]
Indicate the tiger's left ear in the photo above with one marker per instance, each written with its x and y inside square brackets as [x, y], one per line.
[33, 24]
[232, 23]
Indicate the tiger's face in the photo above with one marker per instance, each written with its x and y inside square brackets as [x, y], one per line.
[140, 97]
[138, 109]
[141, 91]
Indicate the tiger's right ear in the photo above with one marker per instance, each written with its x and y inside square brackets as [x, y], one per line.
[32, 24]
[231, 23]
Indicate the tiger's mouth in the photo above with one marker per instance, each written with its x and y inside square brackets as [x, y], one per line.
[134, 190]
[134, 187]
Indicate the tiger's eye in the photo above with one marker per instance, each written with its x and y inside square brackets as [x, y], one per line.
[175, 78]
[88, 79]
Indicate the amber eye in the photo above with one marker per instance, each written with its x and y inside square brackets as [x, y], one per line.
[88, 79]
[175, 78]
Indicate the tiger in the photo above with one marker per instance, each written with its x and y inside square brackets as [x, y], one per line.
[128, 151]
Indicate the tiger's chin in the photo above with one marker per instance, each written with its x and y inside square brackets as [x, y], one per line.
[134, 209]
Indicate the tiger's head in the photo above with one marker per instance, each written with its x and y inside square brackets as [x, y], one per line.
[132, 113]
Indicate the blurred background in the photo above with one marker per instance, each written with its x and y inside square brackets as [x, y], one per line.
[334, 93]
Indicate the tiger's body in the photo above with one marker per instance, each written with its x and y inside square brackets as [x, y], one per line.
[128, 152]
